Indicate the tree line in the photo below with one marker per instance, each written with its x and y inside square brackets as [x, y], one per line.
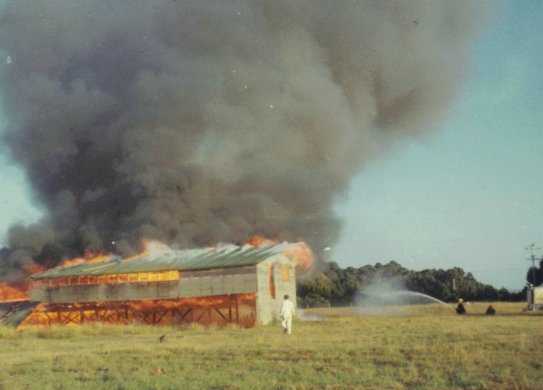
[534, 276]
[336, 286]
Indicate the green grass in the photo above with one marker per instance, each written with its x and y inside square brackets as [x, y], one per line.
[427, 347]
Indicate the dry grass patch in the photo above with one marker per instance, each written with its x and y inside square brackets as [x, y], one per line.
[422, 347]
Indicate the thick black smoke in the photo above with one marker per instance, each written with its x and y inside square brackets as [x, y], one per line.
[193, 122]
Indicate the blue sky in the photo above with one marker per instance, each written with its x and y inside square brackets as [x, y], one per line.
[469, 195]
[15, 203]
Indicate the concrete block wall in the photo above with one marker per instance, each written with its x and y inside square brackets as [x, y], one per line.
[268, 307]
[221, 281]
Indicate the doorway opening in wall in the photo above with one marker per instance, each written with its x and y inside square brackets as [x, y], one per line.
[272, 282]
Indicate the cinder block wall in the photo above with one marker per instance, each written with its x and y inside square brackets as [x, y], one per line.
[268, 307]
[220, 281]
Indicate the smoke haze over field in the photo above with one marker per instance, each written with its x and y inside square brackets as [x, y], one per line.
[389, 295]
[194, 122]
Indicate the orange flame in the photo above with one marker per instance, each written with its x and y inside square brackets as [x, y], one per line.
[302, 257]
[33, 268]
[17, 291]
[260, 241]
[12, 292]
[221, 310]
[87, 258]
[91, 257]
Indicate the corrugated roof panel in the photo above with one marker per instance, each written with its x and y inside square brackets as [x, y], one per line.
[13, 313]
[83, 268]
[182, 260]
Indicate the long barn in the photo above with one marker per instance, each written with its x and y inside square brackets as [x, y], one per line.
[241, 285]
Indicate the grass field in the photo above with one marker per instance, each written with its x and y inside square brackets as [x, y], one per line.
[422, 347]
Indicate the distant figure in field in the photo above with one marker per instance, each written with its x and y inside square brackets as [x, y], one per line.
[460, 309]
[490, 311]
[287, 312]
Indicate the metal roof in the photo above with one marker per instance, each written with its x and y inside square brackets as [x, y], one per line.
[13, 313]
[182, 260]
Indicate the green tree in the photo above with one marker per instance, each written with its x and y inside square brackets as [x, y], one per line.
[337, 286]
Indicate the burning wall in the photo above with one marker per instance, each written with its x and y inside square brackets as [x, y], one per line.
[237, 309]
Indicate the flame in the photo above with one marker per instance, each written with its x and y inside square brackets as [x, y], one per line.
[33, 268]
[260, 241]
[221, 310]
[302, 257]
[18, 291]
[87, 258]
[91, 257]
[10, 292]
[134, 277]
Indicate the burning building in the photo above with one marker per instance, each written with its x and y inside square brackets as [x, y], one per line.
[194, 123]
[241, 285]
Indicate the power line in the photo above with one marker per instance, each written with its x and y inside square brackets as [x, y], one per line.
[532, 250]
[486, 271]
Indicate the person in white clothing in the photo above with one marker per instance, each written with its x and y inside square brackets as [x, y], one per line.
[287, 312]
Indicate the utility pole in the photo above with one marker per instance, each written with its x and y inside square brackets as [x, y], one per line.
[532, 250]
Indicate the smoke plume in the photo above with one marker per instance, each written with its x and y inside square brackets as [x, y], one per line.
[193, 121]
